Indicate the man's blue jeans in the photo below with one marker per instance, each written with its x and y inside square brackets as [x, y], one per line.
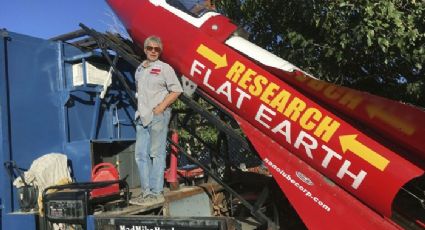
[150, 153]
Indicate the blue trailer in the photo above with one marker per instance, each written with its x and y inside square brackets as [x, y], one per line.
[45, 109]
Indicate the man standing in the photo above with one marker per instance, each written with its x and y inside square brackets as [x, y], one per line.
[157, 88]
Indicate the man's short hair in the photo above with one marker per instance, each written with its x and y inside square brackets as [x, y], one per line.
[154, 39]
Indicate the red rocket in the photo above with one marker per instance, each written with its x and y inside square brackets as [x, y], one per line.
[344, 158]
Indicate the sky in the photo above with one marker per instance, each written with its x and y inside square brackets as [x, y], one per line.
[50, 18]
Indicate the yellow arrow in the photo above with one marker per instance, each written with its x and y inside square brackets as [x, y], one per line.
[349, 142]
[211, 55]
[393, 121]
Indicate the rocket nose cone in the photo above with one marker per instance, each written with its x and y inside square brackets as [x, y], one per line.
[123, 9]
[115, 4]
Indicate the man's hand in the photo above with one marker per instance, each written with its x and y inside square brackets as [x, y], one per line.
[158, 109]
[168, 100]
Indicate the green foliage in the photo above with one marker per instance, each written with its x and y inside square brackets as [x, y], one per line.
[195, 125]
[377, 46]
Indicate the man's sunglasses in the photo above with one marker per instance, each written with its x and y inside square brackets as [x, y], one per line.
[150, 48]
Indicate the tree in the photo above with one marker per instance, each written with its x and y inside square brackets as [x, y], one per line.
[375, 46]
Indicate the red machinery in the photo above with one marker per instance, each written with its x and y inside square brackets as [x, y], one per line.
[344, 158]
[173, 174]
[105, 172]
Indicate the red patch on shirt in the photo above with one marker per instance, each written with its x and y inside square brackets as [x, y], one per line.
[155, 71]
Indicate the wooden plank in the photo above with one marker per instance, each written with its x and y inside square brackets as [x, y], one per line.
[169, 196]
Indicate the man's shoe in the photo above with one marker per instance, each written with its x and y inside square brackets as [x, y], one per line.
[137, 200]
[160, 198]
[148, 200]
[151, 200]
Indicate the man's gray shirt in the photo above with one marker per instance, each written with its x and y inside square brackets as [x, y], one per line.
[154, 83]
